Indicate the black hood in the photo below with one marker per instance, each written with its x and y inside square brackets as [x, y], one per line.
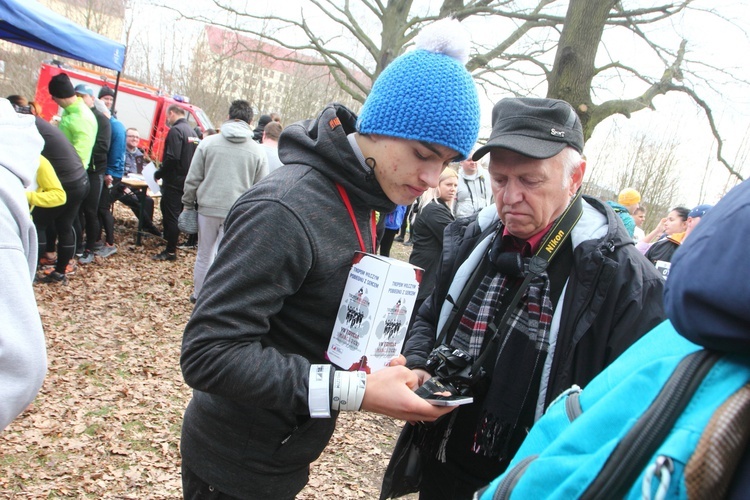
[322, 144]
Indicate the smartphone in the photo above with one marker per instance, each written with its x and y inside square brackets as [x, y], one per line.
[449, 400]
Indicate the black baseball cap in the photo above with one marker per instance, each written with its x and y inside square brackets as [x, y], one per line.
[533, 127]
[105, 91]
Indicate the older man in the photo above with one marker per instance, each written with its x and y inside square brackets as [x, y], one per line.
[587, 297]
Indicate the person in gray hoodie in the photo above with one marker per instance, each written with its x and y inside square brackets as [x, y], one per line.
[265, 399]
[224, 166]
[23, 355]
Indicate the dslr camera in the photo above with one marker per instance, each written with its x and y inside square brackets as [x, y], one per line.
[451, 372]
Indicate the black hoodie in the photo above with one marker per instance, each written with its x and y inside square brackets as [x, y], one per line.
[267, 310]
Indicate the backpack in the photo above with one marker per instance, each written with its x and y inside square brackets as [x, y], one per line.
[667, 419]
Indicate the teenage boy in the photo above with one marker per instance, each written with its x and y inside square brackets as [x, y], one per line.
[254, 349]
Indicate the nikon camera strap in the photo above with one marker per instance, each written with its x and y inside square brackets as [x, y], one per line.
[553, 241]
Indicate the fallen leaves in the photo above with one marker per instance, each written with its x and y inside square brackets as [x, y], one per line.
[106, 423]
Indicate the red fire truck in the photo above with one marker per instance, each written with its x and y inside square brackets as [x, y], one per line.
[137, 105]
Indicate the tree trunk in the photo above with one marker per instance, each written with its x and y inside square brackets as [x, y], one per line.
[395, 19]
[573, 69]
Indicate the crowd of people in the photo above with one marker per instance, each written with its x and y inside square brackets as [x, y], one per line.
[540, 286]
[89, 152]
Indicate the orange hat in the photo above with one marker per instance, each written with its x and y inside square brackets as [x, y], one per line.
[629, 196]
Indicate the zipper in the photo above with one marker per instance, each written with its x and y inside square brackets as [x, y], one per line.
[505, 488]
[609, 246]
[284, 441]
[586, 303]
[631, 455]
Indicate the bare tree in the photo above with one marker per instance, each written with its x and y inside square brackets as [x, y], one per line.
[646, 164]
[543, 45]
[20, 70]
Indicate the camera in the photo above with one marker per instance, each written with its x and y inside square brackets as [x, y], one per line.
[451, 370]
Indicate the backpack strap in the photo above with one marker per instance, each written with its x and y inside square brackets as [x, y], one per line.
[632, 454]
[709, 471]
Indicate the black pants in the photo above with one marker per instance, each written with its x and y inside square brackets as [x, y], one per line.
[104, 213]
[171, 206]
[195, 488]
[442, 482]
[60, 221]
[132, 200]
[89, 211]
[386, 242]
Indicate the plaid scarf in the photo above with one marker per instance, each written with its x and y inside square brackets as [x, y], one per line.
[522, 345]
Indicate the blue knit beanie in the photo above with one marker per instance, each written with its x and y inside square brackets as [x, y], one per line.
[427, 94]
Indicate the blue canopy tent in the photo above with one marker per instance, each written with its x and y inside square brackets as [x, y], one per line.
[28, 23]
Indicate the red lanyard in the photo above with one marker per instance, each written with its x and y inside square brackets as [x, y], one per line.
[349, 209]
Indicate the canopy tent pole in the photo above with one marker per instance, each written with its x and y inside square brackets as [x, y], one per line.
[114, 98]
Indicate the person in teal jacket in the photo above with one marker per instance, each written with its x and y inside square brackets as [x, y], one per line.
[115, 170]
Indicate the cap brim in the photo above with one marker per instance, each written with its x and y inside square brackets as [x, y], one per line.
[521, 144]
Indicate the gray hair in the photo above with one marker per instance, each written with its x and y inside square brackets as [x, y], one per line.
[570, 159]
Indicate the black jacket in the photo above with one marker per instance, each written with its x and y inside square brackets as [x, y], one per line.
[427, 237]
[179, 147]
[662, 250]
[60, 153]
[267, 310]
[613, 297]
[99, 154]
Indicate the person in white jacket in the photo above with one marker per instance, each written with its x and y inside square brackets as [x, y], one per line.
[23, 355]
[474, 188]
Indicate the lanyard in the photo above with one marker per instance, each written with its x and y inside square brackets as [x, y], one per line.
[345, 198]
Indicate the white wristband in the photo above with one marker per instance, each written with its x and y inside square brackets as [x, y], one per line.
[357, 382]
[340, 389]
[336, 391]
[318, 391]
[361, 386]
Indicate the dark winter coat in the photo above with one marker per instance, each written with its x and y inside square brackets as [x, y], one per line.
[179, 147]
[427, 237]
[98, 164]
[267, 310]
[60, 153]
[613, 297]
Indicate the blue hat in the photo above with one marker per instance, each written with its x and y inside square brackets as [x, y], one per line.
[699, 211]
[82, 88]
[427, 94]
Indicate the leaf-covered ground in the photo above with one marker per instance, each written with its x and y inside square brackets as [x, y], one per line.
[106, 423]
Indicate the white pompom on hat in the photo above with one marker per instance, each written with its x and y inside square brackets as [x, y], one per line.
[427, 94]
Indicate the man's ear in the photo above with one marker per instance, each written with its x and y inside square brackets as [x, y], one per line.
[577, 178]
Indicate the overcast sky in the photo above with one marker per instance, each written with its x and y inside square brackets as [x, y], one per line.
[711, 40]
